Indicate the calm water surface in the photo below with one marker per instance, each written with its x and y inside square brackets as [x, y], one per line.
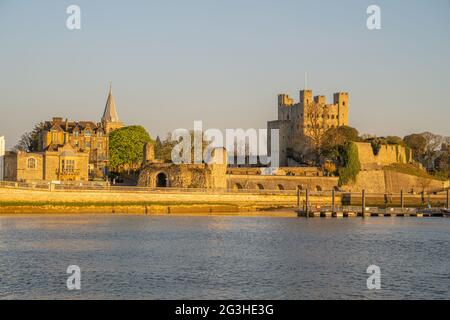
[144, 257]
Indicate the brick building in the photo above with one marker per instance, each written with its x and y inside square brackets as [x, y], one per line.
[67, 150]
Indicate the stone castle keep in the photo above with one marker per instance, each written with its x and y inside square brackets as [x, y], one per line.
[308, 118]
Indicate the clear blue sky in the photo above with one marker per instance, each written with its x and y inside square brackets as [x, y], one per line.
[224, 62]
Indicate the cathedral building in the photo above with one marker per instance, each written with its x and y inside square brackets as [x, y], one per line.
[68, 150]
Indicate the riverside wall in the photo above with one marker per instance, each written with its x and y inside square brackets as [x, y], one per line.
[44, 201]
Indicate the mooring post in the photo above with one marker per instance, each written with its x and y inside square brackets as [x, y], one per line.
[363, 205]
[298, 198]
[422, 197]
[447, 206]
[307, 203]
[402, 200]
[332, 200]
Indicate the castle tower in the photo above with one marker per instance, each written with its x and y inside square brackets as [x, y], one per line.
[110, 119]
[341, 100]
[306, 97]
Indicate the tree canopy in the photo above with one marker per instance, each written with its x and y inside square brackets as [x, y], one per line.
[29, 141]
[126, 147]
[335, 139]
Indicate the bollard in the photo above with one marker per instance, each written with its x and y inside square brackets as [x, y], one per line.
[332, 200]
[448, 207]
[307, 203]
[298, 198]
[402, 200]
[363, 203]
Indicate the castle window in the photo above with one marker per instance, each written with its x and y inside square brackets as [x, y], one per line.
[31, 163]
[99, 145]
[76, 133]
[87, 144]
[87, 133]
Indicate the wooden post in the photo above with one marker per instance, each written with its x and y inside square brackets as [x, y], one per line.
[447, 207]
[363, 205]
[298, 198]
[402, 200]
[307, 203]
[333, 199]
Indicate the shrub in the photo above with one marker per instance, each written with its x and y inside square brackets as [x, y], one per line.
[352, 166]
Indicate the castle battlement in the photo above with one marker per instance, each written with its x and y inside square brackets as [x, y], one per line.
[309, 117]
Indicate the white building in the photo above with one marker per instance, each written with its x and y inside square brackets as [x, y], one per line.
[2, 154]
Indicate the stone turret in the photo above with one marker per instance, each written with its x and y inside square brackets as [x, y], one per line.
[149, 152]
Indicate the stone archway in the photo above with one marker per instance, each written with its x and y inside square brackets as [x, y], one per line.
[161, 180]
[237, 186]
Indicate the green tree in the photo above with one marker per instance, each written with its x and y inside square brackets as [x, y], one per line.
[163, 149]
[29, 141]
[352, 166]
[417, 143]
[394, 140]
[126, 147]
[335, 139]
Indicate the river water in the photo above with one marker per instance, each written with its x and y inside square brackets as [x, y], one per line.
[163, 257]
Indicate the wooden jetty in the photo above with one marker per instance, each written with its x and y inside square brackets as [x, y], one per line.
[340, 211]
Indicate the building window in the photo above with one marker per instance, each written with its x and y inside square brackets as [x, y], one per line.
[88, 144]
[31, 163]
[99, 145]
[87, 133]
[68, 165]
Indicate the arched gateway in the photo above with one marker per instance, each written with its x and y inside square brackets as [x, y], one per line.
[161, 180]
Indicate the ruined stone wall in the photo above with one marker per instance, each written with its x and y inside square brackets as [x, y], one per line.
[184, 175]
[388, 154]
[380, 181]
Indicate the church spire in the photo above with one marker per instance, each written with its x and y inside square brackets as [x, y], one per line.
[110, 113]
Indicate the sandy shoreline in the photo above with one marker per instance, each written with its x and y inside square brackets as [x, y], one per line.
[166, 209]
